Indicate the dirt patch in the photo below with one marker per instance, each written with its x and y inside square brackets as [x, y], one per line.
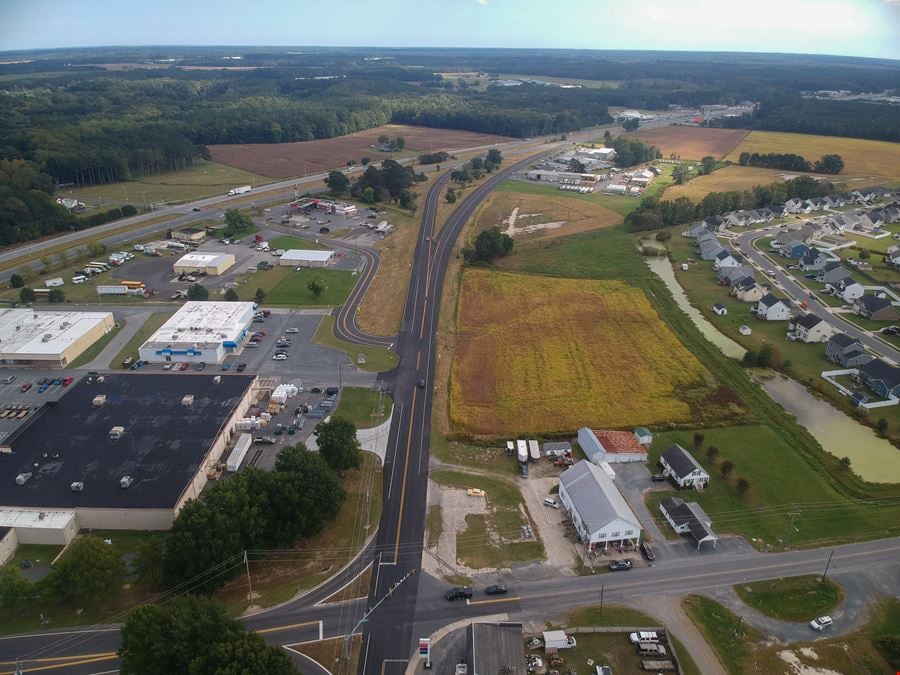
[796, 665]
[550, 523]
[692, 142]
[283, 160]
[455, 506]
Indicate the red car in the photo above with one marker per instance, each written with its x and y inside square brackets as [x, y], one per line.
[67, 381]
[25, 387]
[184, 366]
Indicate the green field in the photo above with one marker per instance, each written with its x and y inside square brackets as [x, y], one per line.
[792, 599]
[364, 406]
[377, 359]
[288, 287]
[286, 242]
[206, 179]
[723, 631]
[151, 325]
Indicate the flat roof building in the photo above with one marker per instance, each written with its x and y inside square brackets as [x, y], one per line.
[50, 339]
[70, 463]
[212, 264]
[299, 257]
[200, 331]
[191, 234]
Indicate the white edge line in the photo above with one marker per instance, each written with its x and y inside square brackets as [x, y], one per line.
[51, 635]
[354, 578]
[305, 656]
[394, 455]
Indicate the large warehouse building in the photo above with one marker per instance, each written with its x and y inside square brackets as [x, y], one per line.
[306, 258]
[117, 452]
[212, 264]
[200, 331]
[49, 339]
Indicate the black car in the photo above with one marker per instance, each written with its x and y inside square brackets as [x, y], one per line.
[616, 565]
[495, 589]
[241, 367]
[459, 593]
[648, 552]
[315, 390]
[421, 384]
[200, 366]
[658, 478]
[332, 391]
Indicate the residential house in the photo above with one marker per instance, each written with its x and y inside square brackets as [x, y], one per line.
[714, 223]
[881, 377]
[772, 308]
[611, 446]
[846, 351]
[832, 272]
[688, 518]
[868, 221]
[793, 205]
[810, 328]
[728, 275]
[813, 261]
[846, 288]
[893, 255]
[720, 309]
[726, 258]
[747, 290]
[737, 219]
[596, 507]
[709, 249]
[680, 465]
[696, 230]
[875, 308]
[793, 249]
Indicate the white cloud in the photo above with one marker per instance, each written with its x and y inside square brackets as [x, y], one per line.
[482, 2]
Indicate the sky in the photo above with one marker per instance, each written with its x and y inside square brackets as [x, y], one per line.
[842, 27]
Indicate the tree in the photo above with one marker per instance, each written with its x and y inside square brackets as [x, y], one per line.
[881, 426]
[231, 295]
[16, 280]
[317, 286]
[698, 440]
[148, 563]
[607, 138]
[744, 159]
[492, 244]
[833, 164]
[384, 139]
[708, 164]
[128, 210]
[338, 444]
[27, 295]
[663, 236]
[494, 157]
[369, 195]
[764, 356]
[742, 486]
[197, 292]
[89, 572]
[631, 124]
[365, 160]
[864, 254]
[712, 453]
[575, 166]
[237, 221]
[450, 197]
[844, 463]
[460, 176]
[259, 296]
[749, 359]
[681, 174]
[726, 468]
[406, 199]
[337, 182]
[15, 590]
[243, 653]
[56, 295]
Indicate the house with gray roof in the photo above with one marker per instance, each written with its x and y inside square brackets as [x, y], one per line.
[881, 377]
[680, 465]
[832, 272]
[726, 258]
[688, 518]
[710, 248]
[728, 275]
[845, 288]
[813, 261]
[772, 308]
[596, 507]
[875, 308]
[810, 328]
[747, 290]
[846, 351]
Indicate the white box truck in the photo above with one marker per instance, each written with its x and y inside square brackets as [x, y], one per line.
[53, 283]
[557, 639]
[239, 190]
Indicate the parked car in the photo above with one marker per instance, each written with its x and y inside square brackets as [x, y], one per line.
[127, 362]
[280, 357]
[643, 636]
[332, 391]
[495, 589]
[201, 365]
[459, 593]
[315, 390]
[9, 379]
[616, 565]
[167, 366]
[42, 388]
[184, 366]
[292, 331]
[241, 367]
[647, 550]
[226, 366]
[264, 440]
[25, 386]
[658, 478]
[820, 623]
[67, 381]
[810, 276]
[551, 502]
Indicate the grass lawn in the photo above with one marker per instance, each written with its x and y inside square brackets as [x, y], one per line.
[38, 555]
[278, 577]
[612, 615]
[94, 350]
[621, 204]
[792, 599]
[780, 481]
[377, 359]
[489, 457]
[364, 407]
[475, 546]
[150, 326]
[434, 524]
[288, 287]
[288, 242]
[723, 631]
[330, 653]
[604, 649]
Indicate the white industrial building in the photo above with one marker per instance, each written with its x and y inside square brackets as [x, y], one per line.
[550, 176]
[200, 331]
[212, 264]
[299, 257]
[602, 154]
[49, 339]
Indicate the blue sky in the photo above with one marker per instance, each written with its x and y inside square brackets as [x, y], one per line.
[846, 27]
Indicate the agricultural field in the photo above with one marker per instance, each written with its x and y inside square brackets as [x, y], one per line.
[530, 347]
[205, 179]
[680, 142]
[862, 158]
[726, 179]
[284, 160]
[527, 216]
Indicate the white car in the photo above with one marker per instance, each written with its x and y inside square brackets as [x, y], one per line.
[821, 623]
[291, 331]
[280, 357]
[771, 273]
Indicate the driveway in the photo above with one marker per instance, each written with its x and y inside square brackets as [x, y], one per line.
[560, 551]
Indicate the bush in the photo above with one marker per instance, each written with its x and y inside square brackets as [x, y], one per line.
[16, 280]
[128, 210]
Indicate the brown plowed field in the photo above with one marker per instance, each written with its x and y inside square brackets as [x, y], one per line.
[692, 142]
[283, 160]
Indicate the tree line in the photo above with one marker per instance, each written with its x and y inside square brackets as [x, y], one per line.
[830, 163]
[631, 151]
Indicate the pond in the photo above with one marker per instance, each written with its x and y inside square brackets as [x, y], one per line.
[872, 458]
[663, 269]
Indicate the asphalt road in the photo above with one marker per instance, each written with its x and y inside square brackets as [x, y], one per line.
[789, 284]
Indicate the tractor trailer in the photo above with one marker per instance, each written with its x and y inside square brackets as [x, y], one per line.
[239, 190]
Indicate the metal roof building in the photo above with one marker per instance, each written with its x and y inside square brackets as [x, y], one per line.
[54, 339]
[597, 509]
[299, 257]
[200, 331]
[212, 264]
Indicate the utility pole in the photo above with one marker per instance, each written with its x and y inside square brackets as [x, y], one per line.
[602, 588]
[365, 617]
[737, 628]
[249, 587]
[827, 565]
[791, 528]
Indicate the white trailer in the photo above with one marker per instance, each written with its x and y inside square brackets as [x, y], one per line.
[233, 463]
[557, 639]
[522, 451]
[534, 450]
[112, 290]
[52, 283]
[239, 190]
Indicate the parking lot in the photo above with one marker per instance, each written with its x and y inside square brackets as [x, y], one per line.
[39, 388]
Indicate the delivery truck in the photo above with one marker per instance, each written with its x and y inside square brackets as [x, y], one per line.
[239, 190]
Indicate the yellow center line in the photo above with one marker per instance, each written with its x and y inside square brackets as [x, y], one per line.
[418, 359]
[67, 664]
[412, 416]
[513, 598]
[276, 629]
